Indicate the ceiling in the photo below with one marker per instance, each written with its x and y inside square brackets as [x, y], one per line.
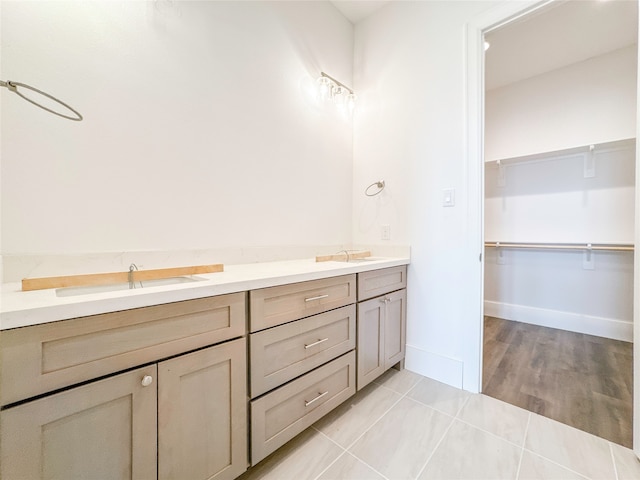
[560, 35]
[356, 10]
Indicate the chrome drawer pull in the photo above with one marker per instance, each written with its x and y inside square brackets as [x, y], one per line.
[315, 343]
[319, 297]
[306, 404]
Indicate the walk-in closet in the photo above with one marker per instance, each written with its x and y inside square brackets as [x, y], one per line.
[560, 162]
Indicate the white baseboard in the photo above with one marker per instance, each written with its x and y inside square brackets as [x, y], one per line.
[573, 322]
[443, 369]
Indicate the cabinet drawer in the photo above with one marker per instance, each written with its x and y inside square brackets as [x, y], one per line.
[282, 353]
[282, 414]
[378, 282]
[277, 305]
[38, 359]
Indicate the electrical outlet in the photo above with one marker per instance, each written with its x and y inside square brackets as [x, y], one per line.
[385, 232]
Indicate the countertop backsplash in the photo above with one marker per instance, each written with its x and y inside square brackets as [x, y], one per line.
[16, 267]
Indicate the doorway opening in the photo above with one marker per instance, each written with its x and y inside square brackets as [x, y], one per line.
[559, 197]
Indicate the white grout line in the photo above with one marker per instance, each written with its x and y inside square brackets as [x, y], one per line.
[453, 419]
[384, 413]
[344, 452]
[495, 435]
[369, 466]
[556, 463]
[613, 459]
[524, 440]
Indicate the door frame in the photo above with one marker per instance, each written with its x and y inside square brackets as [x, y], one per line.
[475, 31]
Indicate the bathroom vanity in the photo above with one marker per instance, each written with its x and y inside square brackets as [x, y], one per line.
[170, 388]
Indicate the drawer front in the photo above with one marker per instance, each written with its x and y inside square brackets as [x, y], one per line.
[378, 282]
[277, 305]
[39, 359]
[282, 353]
[282, 414]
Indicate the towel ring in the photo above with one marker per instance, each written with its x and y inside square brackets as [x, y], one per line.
[379, 184]
[13, 87]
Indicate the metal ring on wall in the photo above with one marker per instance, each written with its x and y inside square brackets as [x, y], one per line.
[13, 86]
[379, 184]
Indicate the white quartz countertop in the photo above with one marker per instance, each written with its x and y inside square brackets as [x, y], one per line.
[21, 309]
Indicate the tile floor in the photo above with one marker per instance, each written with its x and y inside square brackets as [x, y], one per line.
[405, 426]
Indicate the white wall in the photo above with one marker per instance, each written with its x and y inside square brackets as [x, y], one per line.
[201, 127]
[548, 200]
[587, 102]
[409, 70]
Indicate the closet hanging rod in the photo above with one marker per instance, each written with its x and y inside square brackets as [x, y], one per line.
[564, 246]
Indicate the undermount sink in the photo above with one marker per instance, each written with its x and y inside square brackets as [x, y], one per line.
[357, 260]
[114, 287]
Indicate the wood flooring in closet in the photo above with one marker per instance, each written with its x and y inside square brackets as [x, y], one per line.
[577, 379]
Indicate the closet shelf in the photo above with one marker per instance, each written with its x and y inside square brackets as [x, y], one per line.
[564, 153]
[616, 247]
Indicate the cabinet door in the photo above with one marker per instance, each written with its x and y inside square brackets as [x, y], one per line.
[102, 430]
[202, 414]
[371, 332]
[395, 327]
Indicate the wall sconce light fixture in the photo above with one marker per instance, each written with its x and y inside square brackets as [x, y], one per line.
[332, 89]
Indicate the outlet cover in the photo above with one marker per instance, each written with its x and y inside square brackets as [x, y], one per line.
[385, 232]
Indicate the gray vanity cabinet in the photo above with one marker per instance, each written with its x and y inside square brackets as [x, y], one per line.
[105, 429]
[177, 410]
[202, 414]
[381, 322]
[302, 359]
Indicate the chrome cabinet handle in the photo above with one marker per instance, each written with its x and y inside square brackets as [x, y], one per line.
[315, 343]
[385, 300]
[319, 297]
[147, 380]
[320, 395]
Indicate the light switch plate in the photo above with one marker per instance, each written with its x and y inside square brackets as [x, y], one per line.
[448, 197]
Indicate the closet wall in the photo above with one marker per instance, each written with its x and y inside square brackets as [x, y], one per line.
[553, 188]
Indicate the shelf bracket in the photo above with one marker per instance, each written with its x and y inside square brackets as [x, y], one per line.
[590, 163]
[502, 174]
[500, 260]
[588, 259]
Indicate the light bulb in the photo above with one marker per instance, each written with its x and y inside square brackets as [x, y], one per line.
[324, 88]
[339, 95]
[351, 102]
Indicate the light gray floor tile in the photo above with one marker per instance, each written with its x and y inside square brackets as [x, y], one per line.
[496, 417]
[304, 457]
[577, 450]
[534, 467]
[467, 452]
[351, 419]
[400, 381]
[442, 397]
[402, 441]
[348, 467]
[627, 464]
